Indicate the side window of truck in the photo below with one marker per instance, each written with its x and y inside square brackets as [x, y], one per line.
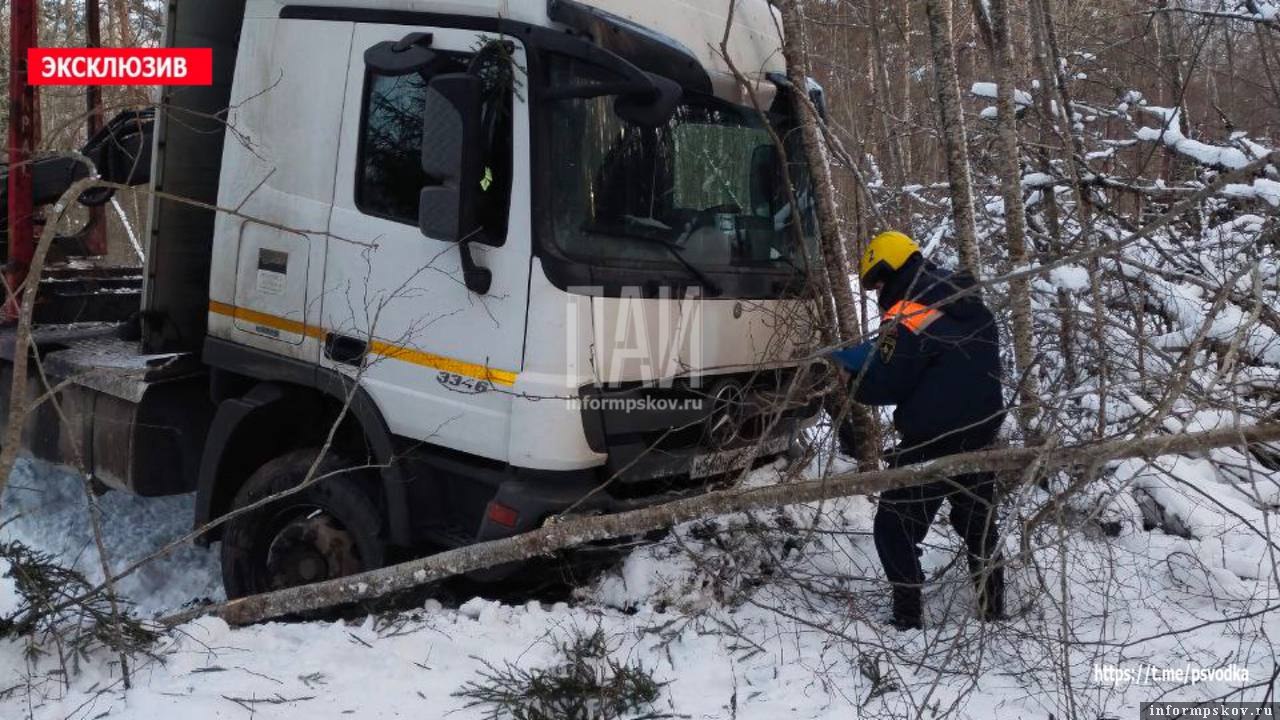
[389, 166]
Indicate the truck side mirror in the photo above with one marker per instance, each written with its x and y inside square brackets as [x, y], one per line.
[451, 155]
[766, 178]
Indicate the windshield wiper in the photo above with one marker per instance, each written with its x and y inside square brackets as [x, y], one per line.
[647, 228]
[678, 253]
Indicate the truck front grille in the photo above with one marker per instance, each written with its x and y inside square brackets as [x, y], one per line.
[653, 432]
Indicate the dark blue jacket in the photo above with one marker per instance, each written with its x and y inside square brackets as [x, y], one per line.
[937, 358]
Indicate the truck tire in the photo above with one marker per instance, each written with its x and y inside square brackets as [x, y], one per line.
[328, 530]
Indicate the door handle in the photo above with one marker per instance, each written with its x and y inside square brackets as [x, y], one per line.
[345, 349]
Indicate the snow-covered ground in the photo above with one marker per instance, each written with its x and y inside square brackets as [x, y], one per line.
[46, 508]
[783, 620]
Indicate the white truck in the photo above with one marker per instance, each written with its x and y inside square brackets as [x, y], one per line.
[505, 259]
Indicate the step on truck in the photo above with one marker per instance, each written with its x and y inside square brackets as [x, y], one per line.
[474, 265]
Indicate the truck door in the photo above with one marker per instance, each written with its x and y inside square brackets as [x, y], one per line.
[435, 357]
[277, 173]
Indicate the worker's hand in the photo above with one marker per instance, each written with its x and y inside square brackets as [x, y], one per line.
[853, 359]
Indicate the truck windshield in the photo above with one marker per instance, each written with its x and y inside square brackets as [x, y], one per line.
[707, 184]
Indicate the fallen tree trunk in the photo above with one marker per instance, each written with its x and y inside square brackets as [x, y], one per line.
[578, 531]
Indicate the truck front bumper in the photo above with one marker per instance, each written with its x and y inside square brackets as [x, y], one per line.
[529, 500]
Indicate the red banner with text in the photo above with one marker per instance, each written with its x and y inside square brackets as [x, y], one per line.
[120, 66]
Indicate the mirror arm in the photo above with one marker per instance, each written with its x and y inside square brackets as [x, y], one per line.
[415, 38]
[478, 279]
[394, 58]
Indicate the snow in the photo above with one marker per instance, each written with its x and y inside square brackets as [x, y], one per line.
[989, 90]
[1193, 497]
[784, 652]
[1260, 189]
[9, 600]
[1070, 277]
[46, 508]
[1231, 324]
[1037, 179]
[984, 89]
[1255, 148]
[1171, 135]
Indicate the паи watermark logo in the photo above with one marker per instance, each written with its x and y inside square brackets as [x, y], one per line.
[632, 337]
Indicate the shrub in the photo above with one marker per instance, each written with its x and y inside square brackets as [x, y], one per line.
[586, 684]
[58, 608]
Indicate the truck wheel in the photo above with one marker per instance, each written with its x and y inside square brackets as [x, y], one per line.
[329, 530]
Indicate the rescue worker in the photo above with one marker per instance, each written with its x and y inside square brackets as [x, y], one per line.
[937, 358]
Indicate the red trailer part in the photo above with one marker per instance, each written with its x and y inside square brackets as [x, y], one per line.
[23, 133]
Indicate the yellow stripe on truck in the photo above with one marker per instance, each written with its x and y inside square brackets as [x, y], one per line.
[410, 355]
[261, 318]
[440, 362]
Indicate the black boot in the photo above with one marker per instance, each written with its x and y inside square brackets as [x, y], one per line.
[907, 608]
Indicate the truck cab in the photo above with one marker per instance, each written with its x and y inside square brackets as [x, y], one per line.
[474, 266]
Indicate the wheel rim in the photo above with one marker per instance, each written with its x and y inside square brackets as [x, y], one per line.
[309, 545]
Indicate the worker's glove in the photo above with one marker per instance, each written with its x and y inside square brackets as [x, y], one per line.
[853, 359]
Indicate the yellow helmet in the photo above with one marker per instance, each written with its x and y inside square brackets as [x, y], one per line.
[886, 252]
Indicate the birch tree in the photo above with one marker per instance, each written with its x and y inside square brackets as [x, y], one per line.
[954, 137]
[835, 251]
[835, 248]
[999, 41]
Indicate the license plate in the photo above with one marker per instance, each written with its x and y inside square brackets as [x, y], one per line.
[730, 460]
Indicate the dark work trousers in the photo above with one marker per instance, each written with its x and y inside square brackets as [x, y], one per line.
[904, 515]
